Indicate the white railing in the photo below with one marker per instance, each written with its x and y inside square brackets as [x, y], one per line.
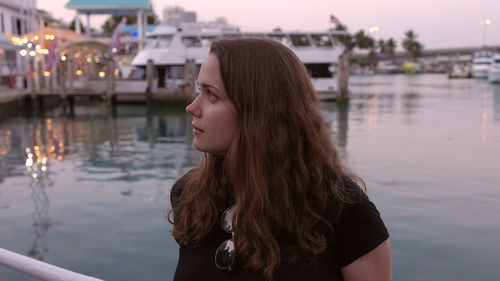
[38, 269]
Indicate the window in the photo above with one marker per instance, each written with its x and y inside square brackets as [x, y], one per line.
[300, 40]
[280, 38]
[159, 42]
[206, 41]
[319, 70]
[176, 72]
[321, 40]
[191, 41]
[18, 27]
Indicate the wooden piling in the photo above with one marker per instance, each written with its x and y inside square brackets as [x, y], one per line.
[189, 77]
[149, 77]
[61, 83]
[39, 76]
[342, 77]
[110, 77]
[71, 101]
[31, 78]
[71, 72]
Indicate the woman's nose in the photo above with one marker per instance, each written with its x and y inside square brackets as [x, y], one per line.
[193, 108]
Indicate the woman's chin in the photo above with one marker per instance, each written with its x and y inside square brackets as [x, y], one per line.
[208, 149]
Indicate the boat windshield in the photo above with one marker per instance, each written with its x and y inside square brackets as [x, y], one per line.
[206, 41]
[280, 38]
[191, 41]
[300, 40]
[321, 40]
[159, 42]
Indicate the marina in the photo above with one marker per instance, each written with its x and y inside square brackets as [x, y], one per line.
[94, 132]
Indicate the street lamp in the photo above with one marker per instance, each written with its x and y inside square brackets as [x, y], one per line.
[485, 24]
[373, 29]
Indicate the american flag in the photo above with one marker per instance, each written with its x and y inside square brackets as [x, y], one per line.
[334, 20]
[115, 37]
[51, 58]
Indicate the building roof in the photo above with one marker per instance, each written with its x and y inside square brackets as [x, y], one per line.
[121, 7]
[131, 28]
[5, 43]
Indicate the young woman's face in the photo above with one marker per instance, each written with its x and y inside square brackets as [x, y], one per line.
[214, 116]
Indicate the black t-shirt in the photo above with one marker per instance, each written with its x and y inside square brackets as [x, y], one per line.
[358, 229]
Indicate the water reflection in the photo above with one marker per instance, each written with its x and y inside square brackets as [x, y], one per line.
[132, 144]
[410, 106]
[129, 145]
[42, 221]
[496, 102]
[336, 119]
[484, 116]
[103, 174]
[5, 148]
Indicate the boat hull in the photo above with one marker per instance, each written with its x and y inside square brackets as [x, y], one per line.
[494, 74]
[479, 73]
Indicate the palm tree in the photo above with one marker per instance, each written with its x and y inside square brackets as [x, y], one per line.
[72, 26]
[360, 40]
[109, 25]
[391, 46]
[382, 46]
[346, 39]
[412, 46]
[363, 41]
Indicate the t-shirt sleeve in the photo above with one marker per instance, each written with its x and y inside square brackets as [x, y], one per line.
[358, 228]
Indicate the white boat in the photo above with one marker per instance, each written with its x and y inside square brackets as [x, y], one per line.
[459, 71]
[494, 70]
[480, 64]
[170, 49]
[386, 67]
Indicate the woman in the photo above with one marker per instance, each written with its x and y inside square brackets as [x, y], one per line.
[270, 199]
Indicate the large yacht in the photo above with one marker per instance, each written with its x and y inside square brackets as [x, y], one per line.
[170, 48]
[480, 64]
[494, 69]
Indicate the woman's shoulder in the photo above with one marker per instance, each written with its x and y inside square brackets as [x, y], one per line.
[176, 190]
[352, 190]
[358, 225]
[354, 199]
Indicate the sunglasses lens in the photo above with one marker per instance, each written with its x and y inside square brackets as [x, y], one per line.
[224, 256]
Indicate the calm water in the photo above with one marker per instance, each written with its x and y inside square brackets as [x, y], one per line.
[88, 192]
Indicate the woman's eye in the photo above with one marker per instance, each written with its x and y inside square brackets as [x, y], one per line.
[211, 97]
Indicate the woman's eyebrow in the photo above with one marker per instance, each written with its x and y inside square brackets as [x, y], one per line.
[205, 85]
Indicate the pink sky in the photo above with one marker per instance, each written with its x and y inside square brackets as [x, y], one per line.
[438, 23]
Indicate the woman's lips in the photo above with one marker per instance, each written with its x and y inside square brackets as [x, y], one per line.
[196, 129]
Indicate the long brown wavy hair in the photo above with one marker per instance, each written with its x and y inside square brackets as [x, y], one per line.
[281, 169]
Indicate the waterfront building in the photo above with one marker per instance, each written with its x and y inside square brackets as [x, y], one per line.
[186, 21]
[176, 15]
[140, 8]
[37, 49]
[17, 17]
